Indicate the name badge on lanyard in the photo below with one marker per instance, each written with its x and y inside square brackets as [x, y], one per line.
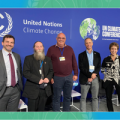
[91, 67]
[40, 71]
[61, 58]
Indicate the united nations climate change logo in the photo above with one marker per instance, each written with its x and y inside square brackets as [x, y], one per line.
[9, 28]
[89, 28]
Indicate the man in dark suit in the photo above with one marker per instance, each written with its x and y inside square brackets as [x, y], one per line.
[10, 76]
[38, 70]
[89, 65]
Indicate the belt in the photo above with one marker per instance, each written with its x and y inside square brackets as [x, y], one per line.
[12, 86]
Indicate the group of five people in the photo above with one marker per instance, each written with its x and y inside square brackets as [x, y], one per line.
[56, 68]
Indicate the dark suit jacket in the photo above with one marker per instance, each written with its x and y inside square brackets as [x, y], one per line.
[84, 66]
[31, 72]
[3, 73]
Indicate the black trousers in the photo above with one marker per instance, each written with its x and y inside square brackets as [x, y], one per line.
[109, 91]
[39, 103]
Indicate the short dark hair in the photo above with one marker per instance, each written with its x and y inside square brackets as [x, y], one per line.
[36, 42]
[8, 36]
[114, 44]
[88, 38]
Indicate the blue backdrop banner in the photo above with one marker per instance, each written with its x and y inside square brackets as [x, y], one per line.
[31, 25]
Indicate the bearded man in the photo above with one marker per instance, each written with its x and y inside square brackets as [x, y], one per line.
[38, 71]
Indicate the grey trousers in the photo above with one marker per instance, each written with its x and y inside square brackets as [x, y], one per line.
[94, 91]
[10, 100]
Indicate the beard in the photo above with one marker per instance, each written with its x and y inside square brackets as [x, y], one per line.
[39, 55]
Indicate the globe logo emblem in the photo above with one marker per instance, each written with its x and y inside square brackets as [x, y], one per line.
[89, 28]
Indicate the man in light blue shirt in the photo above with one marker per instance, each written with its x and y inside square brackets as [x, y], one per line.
[89, 65]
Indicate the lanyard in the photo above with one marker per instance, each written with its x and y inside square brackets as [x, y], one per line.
[41, 65]
[61, 51]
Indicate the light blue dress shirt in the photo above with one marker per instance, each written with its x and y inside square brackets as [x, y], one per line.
[90, 59]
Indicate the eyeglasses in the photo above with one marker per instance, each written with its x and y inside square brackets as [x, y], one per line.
[63, 38]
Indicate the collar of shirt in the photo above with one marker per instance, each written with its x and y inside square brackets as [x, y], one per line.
[5, 52]
[57, 45]
[88, 52]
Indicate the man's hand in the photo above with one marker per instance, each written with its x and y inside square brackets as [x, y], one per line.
[90, 79]
[41, 81]
[46, 80]
[75, 77]
[93, 76]
[52, 81]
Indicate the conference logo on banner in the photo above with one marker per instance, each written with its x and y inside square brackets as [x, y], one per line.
[110, 32]
[41, 27]
[10, 25]
[89, 28]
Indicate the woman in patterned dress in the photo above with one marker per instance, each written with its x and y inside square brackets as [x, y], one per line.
[111, 70]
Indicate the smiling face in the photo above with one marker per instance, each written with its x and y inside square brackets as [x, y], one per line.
[88, 44]
[61, 40]
[8, 44]
[114, 50]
